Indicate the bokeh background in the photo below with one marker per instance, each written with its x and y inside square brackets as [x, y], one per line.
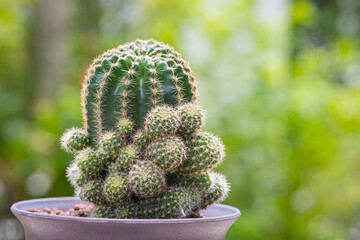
[280, 80]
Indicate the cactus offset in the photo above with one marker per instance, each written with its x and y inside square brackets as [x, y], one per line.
[116, 188]
[104, 212]
[205, 151]
[176, 202]
[73, 140]
[92, 191]
[201, 182]
[141, 152]
[146, 179]
[111, 144]
[89, 164]
[192, 118]
[161, 121]
[217, 192]
[168, 153]
[125, 160]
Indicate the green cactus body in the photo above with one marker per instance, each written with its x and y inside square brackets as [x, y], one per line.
[192, 118]
[124, 125]
[217, 192]
[205, 151]
[75, 175]
[111, 143]
[140, 152]
[104, 212]
[123, 212]
[126, 212]
[200, 183]
[127, 157]
[73, 140]
[168, 153]
[175, 203]
[146, 179]
[129, 80]
[140, 139]
[93, 192]
[161, 121]
[89, 164]
[104, 158]
[116, 188]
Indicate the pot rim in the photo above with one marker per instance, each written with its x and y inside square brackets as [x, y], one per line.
[16, 209]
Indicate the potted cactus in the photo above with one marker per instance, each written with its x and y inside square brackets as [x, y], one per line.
[143, 167]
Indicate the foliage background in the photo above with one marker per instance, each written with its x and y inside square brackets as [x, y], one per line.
[280, 80]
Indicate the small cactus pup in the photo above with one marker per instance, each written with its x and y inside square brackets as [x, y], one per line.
[74, 139]
[141, 152]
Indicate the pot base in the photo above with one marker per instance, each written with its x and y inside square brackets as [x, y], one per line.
[217, 220]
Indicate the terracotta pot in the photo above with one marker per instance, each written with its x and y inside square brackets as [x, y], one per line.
[38, 226]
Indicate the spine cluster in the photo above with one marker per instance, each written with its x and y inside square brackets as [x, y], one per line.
[141, 152]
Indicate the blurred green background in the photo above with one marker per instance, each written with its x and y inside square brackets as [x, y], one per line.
[280, 80]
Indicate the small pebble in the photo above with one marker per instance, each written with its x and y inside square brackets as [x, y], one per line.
[34, 210]
[58, 212]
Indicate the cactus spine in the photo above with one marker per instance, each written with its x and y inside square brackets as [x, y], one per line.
[141, 152]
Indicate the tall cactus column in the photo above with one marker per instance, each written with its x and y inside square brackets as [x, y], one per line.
[126, 82]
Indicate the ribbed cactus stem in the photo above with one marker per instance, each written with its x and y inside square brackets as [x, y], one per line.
[127, 81]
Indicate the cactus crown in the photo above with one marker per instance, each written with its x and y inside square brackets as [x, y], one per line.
[141, 152]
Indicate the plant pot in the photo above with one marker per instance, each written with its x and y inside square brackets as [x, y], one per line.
[216, 222]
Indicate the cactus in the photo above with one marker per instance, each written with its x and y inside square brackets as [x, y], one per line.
[192, 118]
[111, 144]
[127, 157]
[217, 192]
[177, 202]
[201, 182]
[89, 164]
[205, 151]
[73, 140]
[141, 152]
[127, 81]
[75, 176]
[161, 121]
[168, 153]
[116, 188]
[146, 179]
[104, 212]
[92, 191]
